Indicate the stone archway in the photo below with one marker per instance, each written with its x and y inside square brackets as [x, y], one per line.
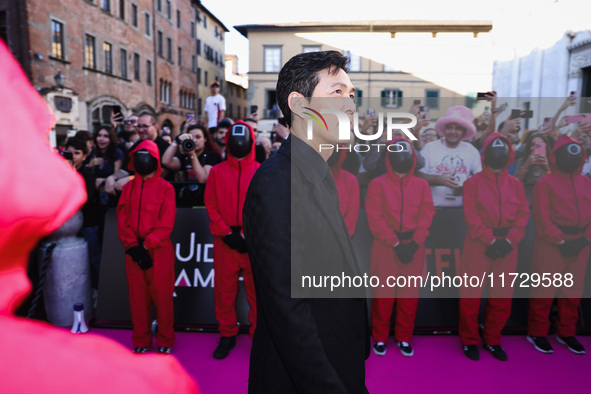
[100, 109]
[143, 107]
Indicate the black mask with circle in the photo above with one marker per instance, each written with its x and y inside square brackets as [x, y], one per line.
[144, 163]
[401, 157]
[496, 155]
[239, 141]
[569, 158]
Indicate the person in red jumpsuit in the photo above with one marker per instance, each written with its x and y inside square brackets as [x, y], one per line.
[399, 212]
[561, 209]
[496, 213]
[347, 188]
[145, 218]
[37, 357]
[224, 197]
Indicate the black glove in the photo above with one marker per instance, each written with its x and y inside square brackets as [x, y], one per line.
[140, 255]
[504, 247]
[235, 241]
[498, 249]
[135, 252]
[574, 247]
[146, 261]
[406, 252]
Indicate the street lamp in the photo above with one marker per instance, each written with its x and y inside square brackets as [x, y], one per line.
[59, 79]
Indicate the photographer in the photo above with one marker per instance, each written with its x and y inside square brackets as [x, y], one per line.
[188, 155]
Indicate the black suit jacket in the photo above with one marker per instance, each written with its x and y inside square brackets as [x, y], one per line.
[294, 227]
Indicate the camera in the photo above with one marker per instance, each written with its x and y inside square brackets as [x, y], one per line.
[188, 145]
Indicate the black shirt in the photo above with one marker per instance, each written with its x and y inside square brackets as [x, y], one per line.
[191, 195]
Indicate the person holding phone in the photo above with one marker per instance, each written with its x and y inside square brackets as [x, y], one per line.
[534, 165]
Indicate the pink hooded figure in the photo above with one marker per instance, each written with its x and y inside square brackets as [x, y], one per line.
[40, 191]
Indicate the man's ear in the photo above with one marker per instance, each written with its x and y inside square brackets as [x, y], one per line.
[296, 101]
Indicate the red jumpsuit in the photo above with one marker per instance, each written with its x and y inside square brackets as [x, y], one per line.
[348, 190]
[147, 211]
[397, 205]
[559, 200]
[224, 197]
[491, 201]
[35, 356]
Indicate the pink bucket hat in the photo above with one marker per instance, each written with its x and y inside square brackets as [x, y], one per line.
[460, 115]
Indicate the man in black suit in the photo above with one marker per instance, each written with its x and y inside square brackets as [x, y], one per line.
[293, 228]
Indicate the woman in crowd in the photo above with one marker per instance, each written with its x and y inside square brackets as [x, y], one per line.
[192, 165]
[106, 159]
[534, 164]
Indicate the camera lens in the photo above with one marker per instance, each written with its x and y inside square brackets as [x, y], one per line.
[188, 145]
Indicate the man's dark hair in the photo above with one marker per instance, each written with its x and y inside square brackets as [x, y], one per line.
[300, 74]
[152, 117]
[224, 123]
[84, 135]
[77, 144]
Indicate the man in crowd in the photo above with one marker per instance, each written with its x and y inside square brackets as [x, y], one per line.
[294, 228]
[219, 136]
[147, 128]
[450, 161]
[215, 107]
[131, 137]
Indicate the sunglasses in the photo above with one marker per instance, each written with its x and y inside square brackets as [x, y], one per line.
[130, 121]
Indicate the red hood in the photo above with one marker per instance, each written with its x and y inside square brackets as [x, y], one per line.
[414, 164]
[565, 140]
[488, 141]
[39, 192]
[251, 156]
[152, 148]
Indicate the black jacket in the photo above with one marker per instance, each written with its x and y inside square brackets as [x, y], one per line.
[293, 226]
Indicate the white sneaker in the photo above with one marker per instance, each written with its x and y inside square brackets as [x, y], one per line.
[405, 349]
[379, 348]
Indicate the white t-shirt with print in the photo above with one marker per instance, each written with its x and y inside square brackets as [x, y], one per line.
[462, 161]
[213, 106]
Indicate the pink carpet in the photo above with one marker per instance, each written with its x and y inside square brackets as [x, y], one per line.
[437, 366]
